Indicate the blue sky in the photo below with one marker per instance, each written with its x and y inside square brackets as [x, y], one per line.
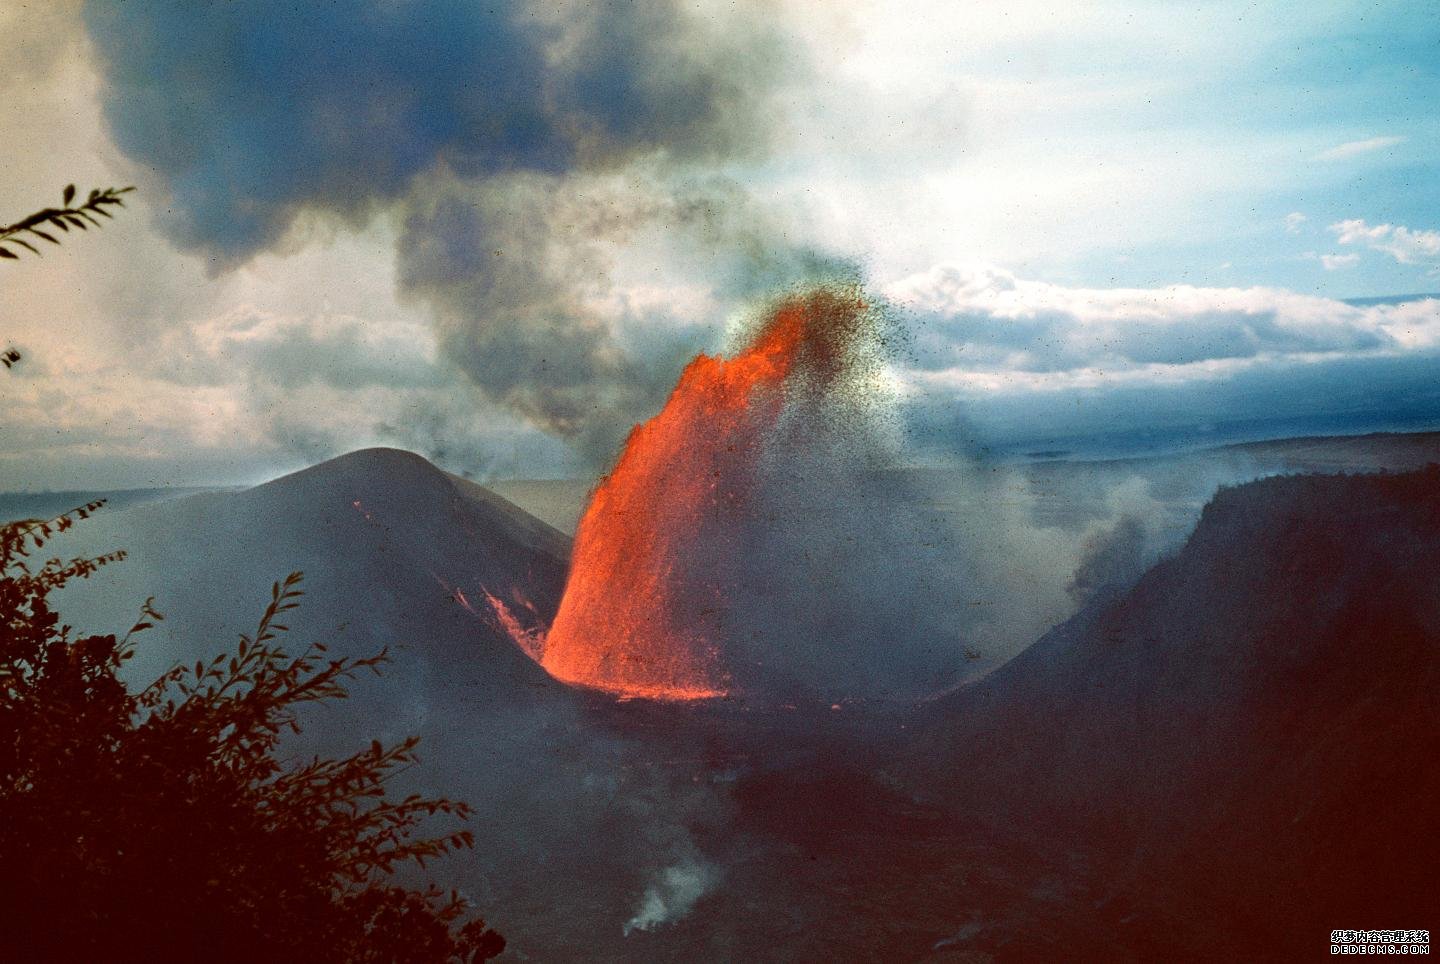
[351, 228]
[1147, 144]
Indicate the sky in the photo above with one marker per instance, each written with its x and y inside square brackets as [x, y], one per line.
[493, 233]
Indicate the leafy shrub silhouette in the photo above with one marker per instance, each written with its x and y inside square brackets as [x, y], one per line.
[159, 825]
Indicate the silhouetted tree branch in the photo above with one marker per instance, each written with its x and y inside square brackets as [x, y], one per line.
[49, 223]
[161, 825]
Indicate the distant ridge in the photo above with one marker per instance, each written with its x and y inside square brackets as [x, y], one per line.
[47, 505]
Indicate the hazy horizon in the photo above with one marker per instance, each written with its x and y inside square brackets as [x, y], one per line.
[487, 236]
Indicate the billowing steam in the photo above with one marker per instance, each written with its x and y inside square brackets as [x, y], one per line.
[517, 273]
[257, 112]
[508, 142]
[671, 895]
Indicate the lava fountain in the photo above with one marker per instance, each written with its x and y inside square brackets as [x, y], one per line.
[652, 573]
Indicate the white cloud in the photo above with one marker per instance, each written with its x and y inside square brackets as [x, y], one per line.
[246, 393]
[1333, 262]
[1354, 148]
[1356, 231]
[982, 328]
[1406, 245]
[1293, 220]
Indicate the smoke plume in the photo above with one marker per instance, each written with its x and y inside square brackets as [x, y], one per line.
[512, 146]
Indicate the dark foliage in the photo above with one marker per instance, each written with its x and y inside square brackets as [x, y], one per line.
[161, 825]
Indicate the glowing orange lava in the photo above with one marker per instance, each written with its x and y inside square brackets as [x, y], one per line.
[531, 641]
[641, 614]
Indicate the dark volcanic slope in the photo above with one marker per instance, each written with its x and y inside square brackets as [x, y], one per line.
[1249, 735]
[392, 548]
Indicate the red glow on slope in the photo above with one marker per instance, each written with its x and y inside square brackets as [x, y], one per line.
[531, 641]
[634, 620]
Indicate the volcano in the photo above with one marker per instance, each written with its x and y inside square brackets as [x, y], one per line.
[395, 552]
[1240, 735]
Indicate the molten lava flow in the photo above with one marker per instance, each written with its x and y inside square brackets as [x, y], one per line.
[531, 641]
[643, 610]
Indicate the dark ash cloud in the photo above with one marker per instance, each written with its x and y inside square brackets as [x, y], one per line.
[254, 111]
[511, 269]
[506, 140]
